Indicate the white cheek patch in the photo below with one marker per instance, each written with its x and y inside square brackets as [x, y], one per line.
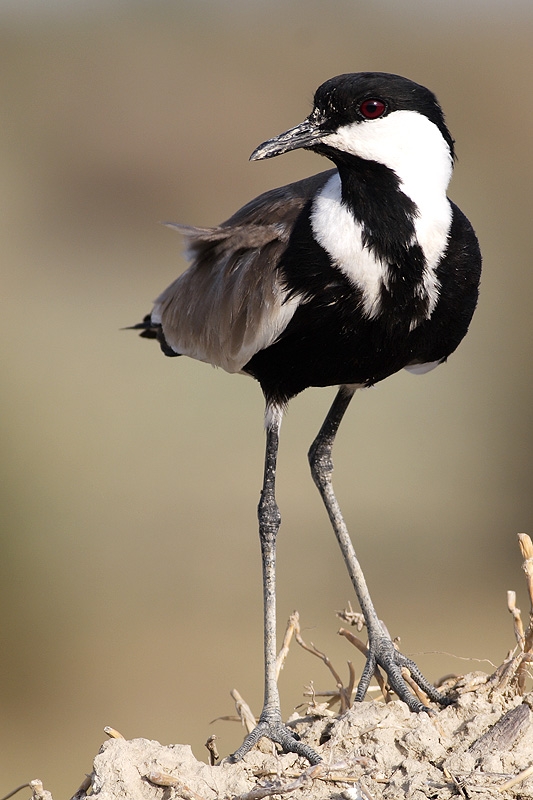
[336, 230]
[406, 142]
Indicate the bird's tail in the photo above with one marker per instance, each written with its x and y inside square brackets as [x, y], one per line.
[152, 330]
[148, 328]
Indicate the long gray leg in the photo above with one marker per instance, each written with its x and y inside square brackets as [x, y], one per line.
[381, 650]
[270, 722]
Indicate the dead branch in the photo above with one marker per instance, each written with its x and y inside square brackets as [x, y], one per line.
[354, 618]
[244, 711]
[415, 688]
[112, 733]
[14, 791]
[306, 778]
[344, 696]
[293, 625]
[338, 772]
[212, 749]
[522, 776]
[526, 548]
[168, 781]
[517, 670]
[517, 619]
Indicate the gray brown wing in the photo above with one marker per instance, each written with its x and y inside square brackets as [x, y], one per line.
[230, 303]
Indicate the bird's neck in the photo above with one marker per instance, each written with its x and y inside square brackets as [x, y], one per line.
[387, 242]
[413, 149]
[372, 195]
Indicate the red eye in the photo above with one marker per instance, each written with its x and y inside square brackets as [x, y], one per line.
[372, 108]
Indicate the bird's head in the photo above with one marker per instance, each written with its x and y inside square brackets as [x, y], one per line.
[375, 116]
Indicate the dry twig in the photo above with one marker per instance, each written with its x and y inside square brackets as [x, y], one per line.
[343, 694]
[244, 711]
[14, 791]
[112, 733]
[293, 625]
[516, 670]
[212, 748]
[415, 688]
[83, 788]
[517, 619]
[526, 547]
[307, 777]
[39, 793]
[335, 773]
[522, 776]
[351, 681]
[169, 782]
[354, 618]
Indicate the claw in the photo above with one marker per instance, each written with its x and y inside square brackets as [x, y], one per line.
[277, 732]
[382, 652]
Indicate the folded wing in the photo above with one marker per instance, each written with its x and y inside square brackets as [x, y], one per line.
[231, 302]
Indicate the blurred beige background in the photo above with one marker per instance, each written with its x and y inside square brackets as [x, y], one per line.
[130, 573]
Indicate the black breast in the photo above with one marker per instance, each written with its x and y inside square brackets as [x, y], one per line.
[330, 342]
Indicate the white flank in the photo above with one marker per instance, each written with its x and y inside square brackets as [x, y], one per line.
[421, 369]
[413, 147]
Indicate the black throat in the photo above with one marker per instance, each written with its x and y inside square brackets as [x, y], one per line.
[372, 192]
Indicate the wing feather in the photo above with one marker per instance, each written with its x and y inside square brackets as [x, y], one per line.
[231, 303]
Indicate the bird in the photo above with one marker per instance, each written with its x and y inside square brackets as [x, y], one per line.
[340, 279]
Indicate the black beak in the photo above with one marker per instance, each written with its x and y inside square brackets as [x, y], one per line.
[304, 135]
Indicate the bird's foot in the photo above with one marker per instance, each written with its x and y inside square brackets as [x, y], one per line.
[271, 726]
[383, 653]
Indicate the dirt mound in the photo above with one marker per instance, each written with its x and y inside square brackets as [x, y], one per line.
[481, 746]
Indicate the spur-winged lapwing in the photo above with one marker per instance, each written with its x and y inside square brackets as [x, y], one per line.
[342, 279]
